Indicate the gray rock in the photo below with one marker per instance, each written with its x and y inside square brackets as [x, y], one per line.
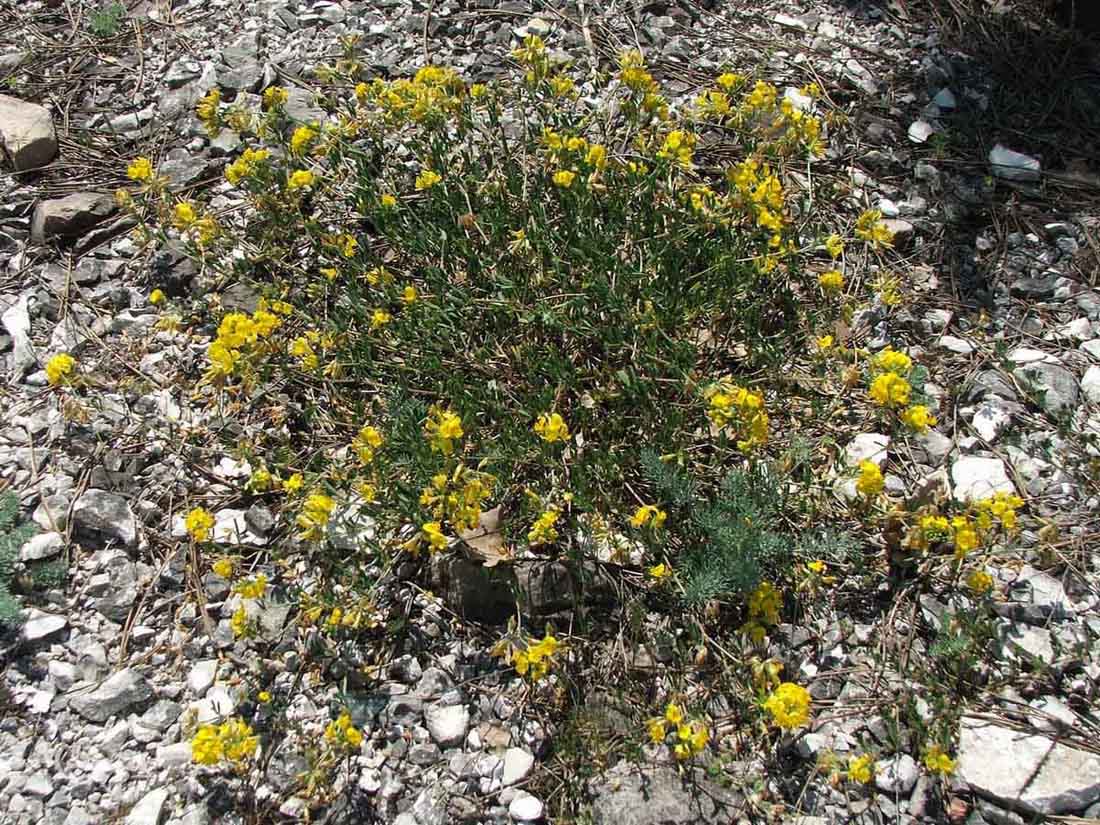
[936, 446]
[1026, 772]
[901, 230]
[517, 765]
[975, 478]
[525, 808]
[1090, 384]
[42, 546]
[403, 710]
[102, 514]
[241, 67]
[161, 715]
[1015, 166]
[920, 131]
[872, 447]
[629, 795]
[990, 419]
[17, 321]
[119, 693]
[39, 626]
[896, 775]
[26, 133]
[149, 809]
[38, 784]
[956, 345]
[201, 677]
[447, 723]
[1055, 385]
[183, 168]
[70, 216]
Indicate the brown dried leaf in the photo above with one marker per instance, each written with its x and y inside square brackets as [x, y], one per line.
[485, 543]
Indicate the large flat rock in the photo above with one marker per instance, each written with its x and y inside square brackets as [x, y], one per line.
[1024, 771]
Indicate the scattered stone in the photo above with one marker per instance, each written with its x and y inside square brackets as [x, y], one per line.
[148, 810]
[1012, 165]
[1054, 385]
[447, 723]
[26, 133]
[102, 514]
[525, 808]
[920, 131]
[1090, 384]
[956, 345]
[1026, 772]
[70, 216]
[41, 627]
[867, 447]
[119, 693]
[42, 546]
[635, 795]
[976, 478]
[517, 765]
[990, 419]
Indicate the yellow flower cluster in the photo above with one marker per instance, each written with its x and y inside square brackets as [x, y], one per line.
[232, 741]
[443, 428]
[141, 170]
[61, 369]
[301, 140]
[341, 734]
[202, 228]
[551, 427]
[536, 659]
[763, 607]
[679, 148]
[314, 517]
[543, 530]
[871, 229]
[366, 442]
[199, 524]
[758, 193]
[433, 95]
[870, 482]
[207, 112]
[570, 154]
[533, 57]
[457, 497]
[831, 281]
[890, 388]
[645, 95]
[648, 515]
[789, 706]
[938, 762]
[967, 531]
[253, 588]
[239, 338]
[247, 165]
[730, 405]
[691, 736]
[860, 768]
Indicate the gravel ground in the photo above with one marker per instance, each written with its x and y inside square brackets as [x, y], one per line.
[998, 233]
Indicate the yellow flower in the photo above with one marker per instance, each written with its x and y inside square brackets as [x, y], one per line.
[979, 582]
[674, 715]
[679, 147]
[656, 730]
[728, 80]
[300, 140]
[251, 588]
[426, 180]
[890, 360]
[239, 623]
[366, 442]
[157, 297]
[825, 343]
[859, 768]
[409, 294]
[387, 201]
[206, 746]
[293, 483]
[199, 524]
[831, 281]
[237, 740]
[433, 532]
[918, 418]
[564, 178]
[183, 216]
[597, 156]
[870, 482]
[659, 572]
[275, 97]
[966, 537]
[478, 90]
[379, 318]
[140, 170]
[648, 514]
[543, 530]
[263, 697]
[60, 369]
[939, 762]
[223, 567]
[300, 179]
[551, 427]
[890, 390]
[315, 515]
[443, 428]
[870, 228]
[834, 246]
[789, 705]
